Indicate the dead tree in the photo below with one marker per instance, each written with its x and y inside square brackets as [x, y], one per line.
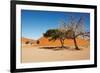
[75, 28]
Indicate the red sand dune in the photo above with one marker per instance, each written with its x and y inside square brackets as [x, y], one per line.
[45, 42]
[68, 42]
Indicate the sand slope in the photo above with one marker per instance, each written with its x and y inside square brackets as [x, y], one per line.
[38, 53]
[67, 42]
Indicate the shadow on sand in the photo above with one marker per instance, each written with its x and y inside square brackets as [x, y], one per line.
[59, 48]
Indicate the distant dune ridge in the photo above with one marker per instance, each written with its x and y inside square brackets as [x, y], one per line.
[25, 40]
[34, 53]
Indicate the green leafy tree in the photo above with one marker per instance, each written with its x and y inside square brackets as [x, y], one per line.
[54, 34]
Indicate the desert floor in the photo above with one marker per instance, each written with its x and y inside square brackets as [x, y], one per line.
[37, 53]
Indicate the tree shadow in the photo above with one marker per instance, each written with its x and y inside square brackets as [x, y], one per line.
[53, 48]
[57, 48]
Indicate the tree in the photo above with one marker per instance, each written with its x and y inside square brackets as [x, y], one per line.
[75, 28]
[54, 34]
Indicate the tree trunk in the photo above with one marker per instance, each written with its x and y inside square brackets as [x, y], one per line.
[62, 43]
[75, 43]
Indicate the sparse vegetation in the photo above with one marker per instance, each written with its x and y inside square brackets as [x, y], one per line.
[71, 30]
[38, 42]
[27, 42]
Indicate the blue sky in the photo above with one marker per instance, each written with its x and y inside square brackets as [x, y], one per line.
[35, 23]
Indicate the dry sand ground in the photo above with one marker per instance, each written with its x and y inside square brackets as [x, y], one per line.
[38, 53]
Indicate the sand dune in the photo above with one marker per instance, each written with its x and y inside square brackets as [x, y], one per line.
[38, 52]
[24, 40]
[67, 42]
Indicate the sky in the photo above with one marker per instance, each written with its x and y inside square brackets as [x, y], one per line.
[34, 23]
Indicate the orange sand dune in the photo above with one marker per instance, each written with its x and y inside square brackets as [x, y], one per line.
[68, 42]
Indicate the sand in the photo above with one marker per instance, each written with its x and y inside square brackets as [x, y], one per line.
[38, 52]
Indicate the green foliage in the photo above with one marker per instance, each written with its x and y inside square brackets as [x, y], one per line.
[50, 32]
[53, 34]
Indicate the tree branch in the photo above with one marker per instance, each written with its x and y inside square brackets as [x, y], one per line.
[83, 34]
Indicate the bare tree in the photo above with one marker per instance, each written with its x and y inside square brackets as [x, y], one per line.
[75, 28]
